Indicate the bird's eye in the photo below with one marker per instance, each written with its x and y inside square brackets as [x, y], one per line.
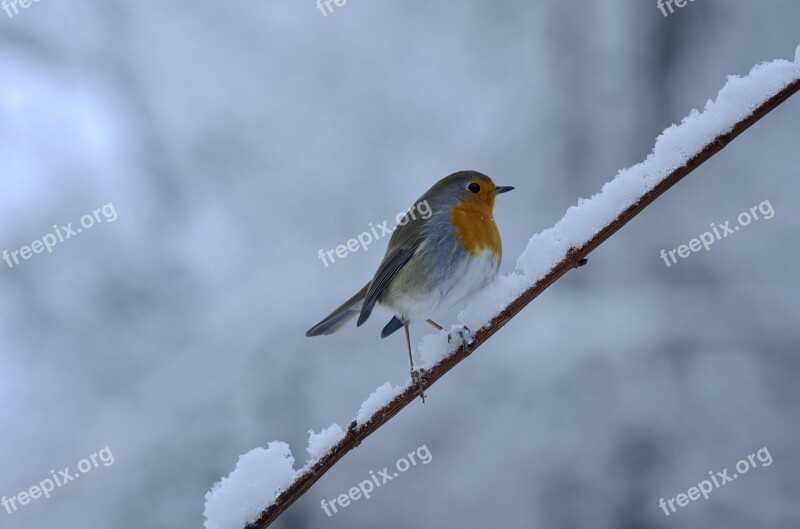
[475, 188]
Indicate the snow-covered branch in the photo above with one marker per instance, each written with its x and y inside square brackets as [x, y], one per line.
[265, 482]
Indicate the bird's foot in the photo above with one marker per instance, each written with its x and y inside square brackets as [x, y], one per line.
[418, 379]
[463, 336]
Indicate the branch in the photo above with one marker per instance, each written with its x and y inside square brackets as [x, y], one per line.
[358, 432]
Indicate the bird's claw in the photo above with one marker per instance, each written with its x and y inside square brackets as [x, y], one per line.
[463, 336]
[418, 379]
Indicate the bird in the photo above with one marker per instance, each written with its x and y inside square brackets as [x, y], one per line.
[431, 261]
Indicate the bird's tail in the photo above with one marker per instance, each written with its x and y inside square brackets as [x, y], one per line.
[339, 317]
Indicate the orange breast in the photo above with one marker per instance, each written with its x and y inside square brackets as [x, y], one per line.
[476, 229]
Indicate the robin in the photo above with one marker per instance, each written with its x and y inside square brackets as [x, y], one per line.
[430, 262]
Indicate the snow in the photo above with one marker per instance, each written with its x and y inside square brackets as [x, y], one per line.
[320, 443]
[259, 475]
[676, 145]
[377, 399]
[435, 347]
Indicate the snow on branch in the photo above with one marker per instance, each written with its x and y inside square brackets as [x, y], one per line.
[265, 483]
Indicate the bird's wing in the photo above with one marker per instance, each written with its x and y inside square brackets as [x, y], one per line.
[404, 243]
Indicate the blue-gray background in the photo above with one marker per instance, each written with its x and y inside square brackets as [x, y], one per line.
[235, 140]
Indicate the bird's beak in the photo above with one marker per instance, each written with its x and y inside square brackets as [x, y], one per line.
[502, 189]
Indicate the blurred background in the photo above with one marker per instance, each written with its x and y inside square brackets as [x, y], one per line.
[236, 140]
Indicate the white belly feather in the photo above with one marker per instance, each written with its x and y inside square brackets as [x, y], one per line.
[467, 278]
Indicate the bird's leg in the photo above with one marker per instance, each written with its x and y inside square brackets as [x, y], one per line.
[439, 327]
[416, 379]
